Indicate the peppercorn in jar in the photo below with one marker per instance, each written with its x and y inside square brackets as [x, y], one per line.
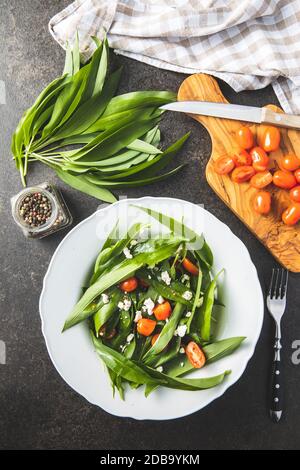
[40, 211]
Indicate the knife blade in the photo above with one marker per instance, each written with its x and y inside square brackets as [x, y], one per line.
[236, 112]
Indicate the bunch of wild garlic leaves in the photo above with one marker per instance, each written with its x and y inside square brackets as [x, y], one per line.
[95, 141]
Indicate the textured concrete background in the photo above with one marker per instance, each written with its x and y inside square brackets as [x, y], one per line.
[37, 409]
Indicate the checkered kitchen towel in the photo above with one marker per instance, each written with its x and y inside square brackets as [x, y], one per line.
[247, 43]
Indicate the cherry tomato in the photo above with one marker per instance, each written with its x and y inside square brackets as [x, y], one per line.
[290, 162]
[261, 180]
[270, 139]
[297, 175]
[242, 158]
[195, 355]
[262, 202]
[145, 326]
[284, 179]
[245, 138]
[154, 339]
[242, 174]
[162, 311]
[143, 283]
[129, 284]
[223, 165]
[102, 332]
[295, 194]
[292, 214]
[190, 267]
[259, 158]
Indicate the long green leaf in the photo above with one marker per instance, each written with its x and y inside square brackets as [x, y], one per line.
[82, 184]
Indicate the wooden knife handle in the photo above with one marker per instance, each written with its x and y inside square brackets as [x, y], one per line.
[280, 119]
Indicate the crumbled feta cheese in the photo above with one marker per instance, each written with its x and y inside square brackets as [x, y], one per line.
[105, 298]
[188, 314]
[160, 299]
[185, 278]
[159, 369]
[138, 316]
[130, 338]
[181, 364]
[165, 277]
[181, 330]
[182, 350]
[127, 253]
[167, 320]
[148, 306]
[149, 277]
[133, 242]
[187, 295]
[125, 305]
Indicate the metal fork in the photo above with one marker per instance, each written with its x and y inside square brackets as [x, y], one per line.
[276, 303]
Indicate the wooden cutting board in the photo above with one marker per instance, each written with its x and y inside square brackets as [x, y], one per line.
[282, 241]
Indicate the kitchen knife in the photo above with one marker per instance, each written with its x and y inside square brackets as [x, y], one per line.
[236, 112]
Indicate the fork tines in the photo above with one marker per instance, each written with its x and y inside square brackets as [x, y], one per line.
[278, 284]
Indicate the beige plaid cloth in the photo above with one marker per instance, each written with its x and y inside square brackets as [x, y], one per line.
[247, 43]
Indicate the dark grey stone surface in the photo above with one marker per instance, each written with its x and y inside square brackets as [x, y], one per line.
[37, 409]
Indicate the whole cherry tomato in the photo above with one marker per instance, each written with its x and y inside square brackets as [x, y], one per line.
[270, 139]
[245, 138]
[261, 180]
[145, 326]
[292, 214]
[284, 179]
[143, 283]
[242, 174]
[297, 175]
[290, 162]
[224, 165]
[162, 311]
[154, 339]
[242, 158]
[108, 335]
[295, 194]
[190, 267]
[129, 284]
[195, 355]
[259, 158]
[262, 202]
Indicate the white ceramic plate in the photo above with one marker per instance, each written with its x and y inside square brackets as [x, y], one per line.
[72, 352]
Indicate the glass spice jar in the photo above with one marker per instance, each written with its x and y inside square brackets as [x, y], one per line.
[40, 210]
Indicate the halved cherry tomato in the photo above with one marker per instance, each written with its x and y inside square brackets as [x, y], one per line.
[259, 158]
[154, 339]
[129, 284]
[223, 165]
[295, 194]
[297, 175]
[195, 355]
[261, 180]
[242, 158]
[262, 202]
[290, 162]
[162, 311]
[242, 174]
[292, 214]
[190, 267]
[145, 326]
[245, 138]
[270, 139]
[284, 179]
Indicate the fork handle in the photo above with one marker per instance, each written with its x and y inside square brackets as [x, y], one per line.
[276, 396]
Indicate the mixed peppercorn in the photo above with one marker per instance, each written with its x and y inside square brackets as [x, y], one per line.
[35, 209]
